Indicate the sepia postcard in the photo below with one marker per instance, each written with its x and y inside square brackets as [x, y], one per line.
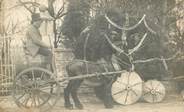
[91, 55]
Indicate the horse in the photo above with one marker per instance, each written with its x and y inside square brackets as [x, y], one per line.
[101, 84]
[94, 53]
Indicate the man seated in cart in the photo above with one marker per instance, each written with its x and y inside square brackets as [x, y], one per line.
[34, 44]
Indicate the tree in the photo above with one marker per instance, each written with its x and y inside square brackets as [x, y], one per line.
[76, 19]
[176, 39]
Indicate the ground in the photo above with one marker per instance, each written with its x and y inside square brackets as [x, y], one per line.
[172, 103]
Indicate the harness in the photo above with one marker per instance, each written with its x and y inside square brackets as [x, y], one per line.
[101, 62]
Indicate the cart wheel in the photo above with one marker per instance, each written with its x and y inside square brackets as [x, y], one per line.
[127, 89]
[153, 91]
[35, 88]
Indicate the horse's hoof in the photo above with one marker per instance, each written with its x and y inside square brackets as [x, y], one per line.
[69, 106]
[79, 106]
[109, 106]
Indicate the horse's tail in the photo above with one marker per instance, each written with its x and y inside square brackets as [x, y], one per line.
[73, 67]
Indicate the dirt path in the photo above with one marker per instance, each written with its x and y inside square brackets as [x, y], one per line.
[172, 103]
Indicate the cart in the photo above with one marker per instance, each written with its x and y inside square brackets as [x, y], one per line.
[37, 87]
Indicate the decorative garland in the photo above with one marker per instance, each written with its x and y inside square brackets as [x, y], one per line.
[145, 23]
[143, 19]
[137, 47]
[125, 28]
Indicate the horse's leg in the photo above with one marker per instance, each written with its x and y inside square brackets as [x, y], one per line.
[99, 92]
[108, 101]
[75, 85]
[67, 92]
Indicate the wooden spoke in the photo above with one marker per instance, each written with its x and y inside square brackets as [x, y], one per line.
[43, 99]
[22, 86]
[24, 78]
[48, 94]
[119, 92]
[126, 97]
[38, 100]
[147, 88]
[20, 97]
[153, 98]
[136, 84]
[147, 93]
[156, 87]
[33, 103]
[45, 82]
[160, 93]
[134, 92]
[25, 101]
[42, 74]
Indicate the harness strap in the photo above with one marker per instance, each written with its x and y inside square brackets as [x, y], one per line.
[104, 65]
[85, 45]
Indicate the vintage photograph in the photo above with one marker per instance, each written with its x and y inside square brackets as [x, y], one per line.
[91, 55]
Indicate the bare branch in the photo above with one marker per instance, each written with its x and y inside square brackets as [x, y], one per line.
[61, 10]
[156, 59]
[138, 46]
[24, 4]
[63, 14]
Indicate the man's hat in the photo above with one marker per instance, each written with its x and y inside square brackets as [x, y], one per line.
[35, 17]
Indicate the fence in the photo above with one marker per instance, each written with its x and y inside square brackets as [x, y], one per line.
[7, 67]
[13, 61]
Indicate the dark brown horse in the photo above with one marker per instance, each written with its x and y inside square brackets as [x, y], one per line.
[94, 53]
[101, 84]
